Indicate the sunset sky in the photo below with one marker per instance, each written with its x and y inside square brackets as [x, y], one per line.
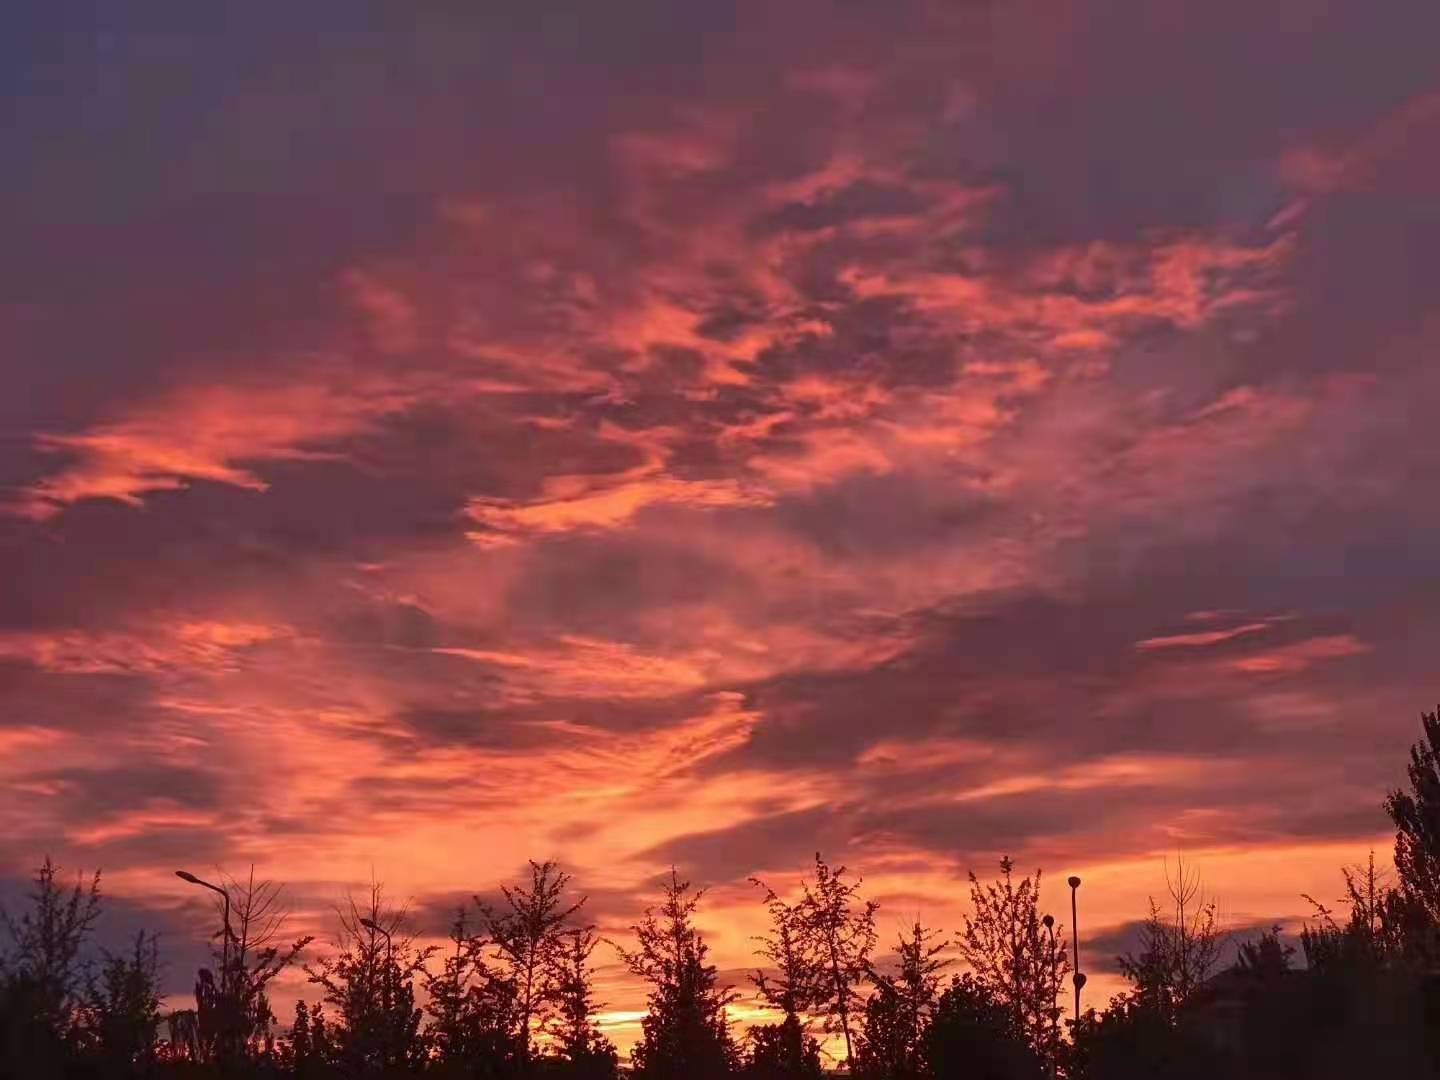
[436, 435]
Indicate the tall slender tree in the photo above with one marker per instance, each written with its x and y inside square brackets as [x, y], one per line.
[839, 926]
[685, 1035]
[526, 933]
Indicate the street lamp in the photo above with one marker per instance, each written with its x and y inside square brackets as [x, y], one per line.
[1079, 977]
[185, 875]
[385, 996]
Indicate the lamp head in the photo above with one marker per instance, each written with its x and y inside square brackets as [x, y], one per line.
[370, 924]
[1049, 921]
[185, 875]
[1079, 979]
[1074, 883]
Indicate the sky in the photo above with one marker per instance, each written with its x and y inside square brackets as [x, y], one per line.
[434, 436]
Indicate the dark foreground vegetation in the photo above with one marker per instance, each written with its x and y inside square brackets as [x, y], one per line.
[511, 994]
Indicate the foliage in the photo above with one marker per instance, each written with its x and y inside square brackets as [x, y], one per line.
[42, 974]
[686, 1032]
[838, 927]
[474, 1018]
[369, 982]
[233, 1020]
[783, 1050]
[526, 934]
[1017, 956]
[898, 1011]
[120, 1012]
[1416, 814]
[579, 1043]
[973, 1035]
[1179, 948]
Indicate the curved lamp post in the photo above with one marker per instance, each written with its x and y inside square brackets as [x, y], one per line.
[185, 875]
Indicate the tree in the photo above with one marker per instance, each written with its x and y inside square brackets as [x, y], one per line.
[685, 1034]
[42, 974]
[1132, 1040]
[526, 935]
[1416, 814]
[370, 983]
[898, 1011]
[473, 1011]
[791, 983]
[784, 1050]
[1265, 958]
[120, 1012]
[972, 1035]
[1017, 956]
[233, 1018]
[1179, 949]
[587, 1053]
[840, 928]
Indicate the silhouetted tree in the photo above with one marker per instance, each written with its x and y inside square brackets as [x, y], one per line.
[898, 1010]
[838, 927]
[585, 1052]
[233, 1018]
[791, 983]
[1416, 814]
[370, 983]
[685, 1034]
[973, 1036]
[1179, 948]
[1265, 958]
[310, 1049]
[474, 1016]
[1017, 955]
[1134, 1040]
[42, 973]
[526, 936]
[784, 1050]
[120, 1012]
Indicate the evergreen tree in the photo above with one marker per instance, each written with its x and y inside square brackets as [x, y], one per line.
[585, 1051]
[685, 1034]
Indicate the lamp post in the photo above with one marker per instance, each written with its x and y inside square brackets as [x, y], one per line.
[1079, 977]
[375, 928]
[185, 875]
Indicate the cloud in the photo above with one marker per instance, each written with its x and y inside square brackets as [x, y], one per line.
[922, 438]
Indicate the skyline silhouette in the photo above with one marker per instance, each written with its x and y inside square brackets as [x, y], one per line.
[666, 434]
